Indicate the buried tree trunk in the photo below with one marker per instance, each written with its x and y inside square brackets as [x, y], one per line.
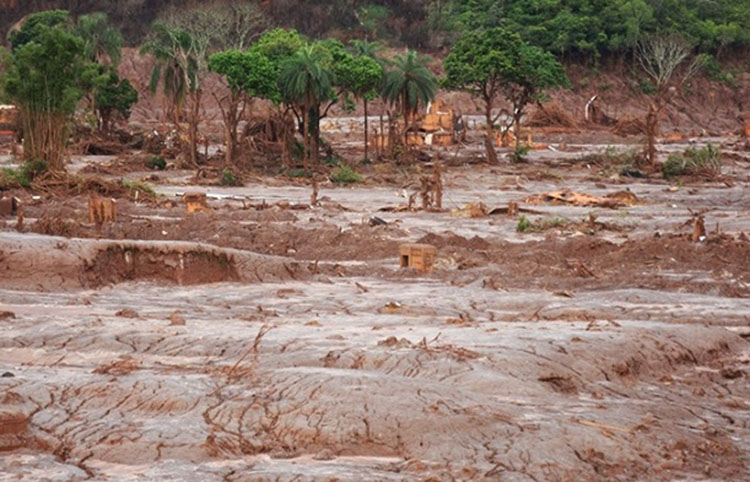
[652, 130]
[44, 136]
[490, 136]
[193, 122]
[366, 132]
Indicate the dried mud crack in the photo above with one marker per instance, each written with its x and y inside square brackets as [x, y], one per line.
[270, 345]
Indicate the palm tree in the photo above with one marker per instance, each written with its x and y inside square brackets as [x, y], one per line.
[306, 82]
[409, 84]
[176, 68]
[365, 48]
[102, 42]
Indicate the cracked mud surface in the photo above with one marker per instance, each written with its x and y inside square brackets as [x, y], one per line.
[287, 345]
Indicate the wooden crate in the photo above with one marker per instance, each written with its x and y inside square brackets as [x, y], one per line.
[418, 256]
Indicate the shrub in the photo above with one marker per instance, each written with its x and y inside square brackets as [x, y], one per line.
[704, 162]
[22, 177]
[298, 172]
[523, 224]
[344, 174]
[138, 186]
[157, 163]
[542, 224]
[519, 153]
[228, 178]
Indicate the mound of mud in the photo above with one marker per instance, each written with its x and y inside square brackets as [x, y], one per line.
[49, 263]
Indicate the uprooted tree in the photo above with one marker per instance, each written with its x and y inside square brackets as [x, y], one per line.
[660, 58]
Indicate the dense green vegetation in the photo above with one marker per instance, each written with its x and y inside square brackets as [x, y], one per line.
[502, 52]
[570, 27]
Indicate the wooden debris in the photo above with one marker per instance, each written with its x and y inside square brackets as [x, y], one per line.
[195, 202]
[566, 196]
[102, 210]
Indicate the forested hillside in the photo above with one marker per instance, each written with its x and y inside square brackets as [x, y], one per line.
[565, 27]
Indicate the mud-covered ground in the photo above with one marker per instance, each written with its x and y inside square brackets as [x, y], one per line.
[269, 339]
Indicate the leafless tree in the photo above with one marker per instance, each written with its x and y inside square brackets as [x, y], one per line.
[661, 58]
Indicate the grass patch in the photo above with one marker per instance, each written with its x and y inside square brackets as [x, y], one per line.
[138, 186]
[228, 178]
[704, 162]
[22, 177]
[344, 174]
[542, 224]
[156, 163]
[520, 153]
[299, 172]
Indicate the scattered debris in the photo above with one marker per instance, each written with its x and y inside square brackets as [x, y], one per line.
[176, 319]
[471, 210]
[9, 205]
[566, 196]
[195, 202]
[127, 313]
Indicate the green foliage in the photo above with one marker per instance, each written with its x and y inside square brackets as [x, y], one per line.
[344, 174]
[249, 72]
[494, 62]
[373, 18]
[541, 224]
[229, 178]
[114, 96]
[134, 186]
[523, 225]
[37, 24]
[299, 172]
[156, 163]
[360, 76]
[704, 162]
[100, 39]
[22, 177]
[599, 26]
[278, 45]
[176, 67]
[409, 83]
[481, 61]
[305, 79]
[519, 153]
[46, 71]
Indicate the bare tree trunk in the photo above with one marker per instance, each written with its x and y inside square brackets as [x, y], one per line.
[306, 135]
[366, 130]
[44, 136]
[380, 145]
[652, 130]
[517, 114]
[193, 125]
[489, 140]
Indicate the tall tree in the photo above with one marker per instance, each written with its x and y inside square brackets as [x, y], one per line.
[360, 76]
[409, 85]
[248, 75]
[480, 64]
[45, 77]
[307, 82]
[660, 57]
[102, 42]
[176, 68]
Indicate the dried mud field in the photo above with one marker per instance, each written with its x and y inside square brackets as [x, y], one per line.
[272, 340]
